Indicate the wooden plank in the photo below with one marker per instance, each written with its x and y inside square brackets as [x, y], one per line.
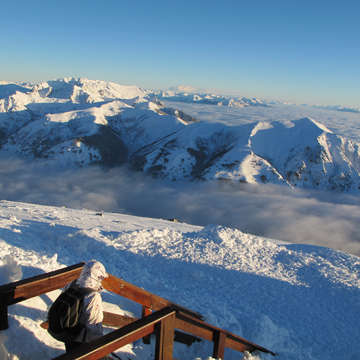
[41, 287]
[141, 296]
[40, 284]
[4, 322]
[110, 342]
[110, 319]
[235, 345]
[116, 320]
[203, 330]
[165, 338]
[94, 351]
[145, 312]
[219, 345]
[185, 338]
[132, 292]
[41, 276]
[250, 346]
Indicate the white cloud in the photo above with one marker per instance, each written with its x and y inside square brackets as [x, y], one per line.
[273, 211]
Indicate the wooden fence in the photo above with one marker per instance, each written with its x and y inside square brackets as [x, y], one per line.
[160, 317]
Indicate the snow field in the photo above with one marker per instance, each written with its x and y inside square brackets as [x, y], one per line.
[300, 301]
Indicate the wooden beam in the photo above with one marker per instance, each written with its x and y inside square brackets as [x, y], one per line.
[191, 328]
[185, 338]
[219, 345]
[206, 331]
[17, 291]
[4, 322]
[25, 289]
[110, 319]
[145, 312]
[238, 346]
[116, 320]
[165, 338]
[141, 296]
[108, 343]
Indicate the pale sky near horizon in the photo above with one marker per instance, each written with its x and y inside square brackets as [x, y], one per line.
[301, 51]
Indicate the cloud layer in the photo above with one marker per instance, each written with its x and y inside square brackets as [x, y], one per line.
[273, 211]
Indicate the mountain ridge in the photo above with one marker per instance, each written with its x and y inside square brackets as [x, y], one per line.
[78, 122]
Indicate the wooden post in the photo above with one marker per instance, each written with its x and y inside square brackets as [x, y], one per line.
[165, 339]
[219, 345]
[4, 323]
[145, 312]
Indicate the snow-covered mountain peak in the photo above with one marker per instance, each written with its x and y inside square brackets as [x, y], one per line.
[126, 124]
[82, 90]
[183, 89]
[8, 89]
[309, 127]
[202, 97]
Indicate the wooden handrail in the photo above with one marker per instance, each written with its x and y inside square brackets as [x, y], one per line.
[221, 338]
[141, 296]
[169, 320]
[34, 286]
[118, 338]
[181, 318]
[37, 285]
[109, 319]
[118, 321]
[27, 288]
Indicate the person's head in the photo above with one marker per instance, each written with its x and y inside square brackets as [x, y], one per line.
[92, 274]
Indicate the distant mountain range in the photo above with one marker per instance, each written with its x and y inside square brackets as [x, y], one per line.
[181, 95]
[77, 122]
[339, 108]
[187, 94]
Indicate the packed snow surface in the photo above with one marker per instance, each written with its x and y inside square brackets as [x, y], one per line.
[300, 301]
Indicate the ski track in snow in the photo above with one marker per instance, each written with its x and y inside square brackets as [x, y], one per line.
[300, 301]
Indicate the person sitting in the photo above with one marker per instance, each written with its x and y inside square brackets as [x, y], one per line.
[91, 314]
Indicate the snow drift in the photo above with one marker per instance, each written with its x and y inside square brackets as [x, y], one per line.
[300, 301]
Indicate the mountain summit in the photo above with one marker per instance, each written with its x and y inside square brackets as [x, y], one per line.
[77, 122]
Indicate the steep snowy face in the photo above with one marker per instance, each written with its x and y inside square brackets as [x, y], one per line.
[80, 122]
[87, 91]
[307, 154]
[8, 89]
[301, 153]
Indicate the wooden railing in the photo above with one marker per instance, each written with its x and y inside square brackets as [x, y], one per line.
[221, 338]
[163, 323]
[37, 285]
[160, 316]
[149, 301]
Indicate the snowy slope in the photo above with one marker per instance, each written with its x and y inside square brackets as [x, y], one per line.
[299, 153]
[300, 301]
[78, 122]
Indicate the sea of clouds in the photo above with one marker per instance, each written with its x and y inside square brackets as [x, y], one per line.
[297, 216]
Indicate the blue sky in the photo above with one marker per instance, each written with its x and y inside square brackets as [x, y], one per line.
[303, 51]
